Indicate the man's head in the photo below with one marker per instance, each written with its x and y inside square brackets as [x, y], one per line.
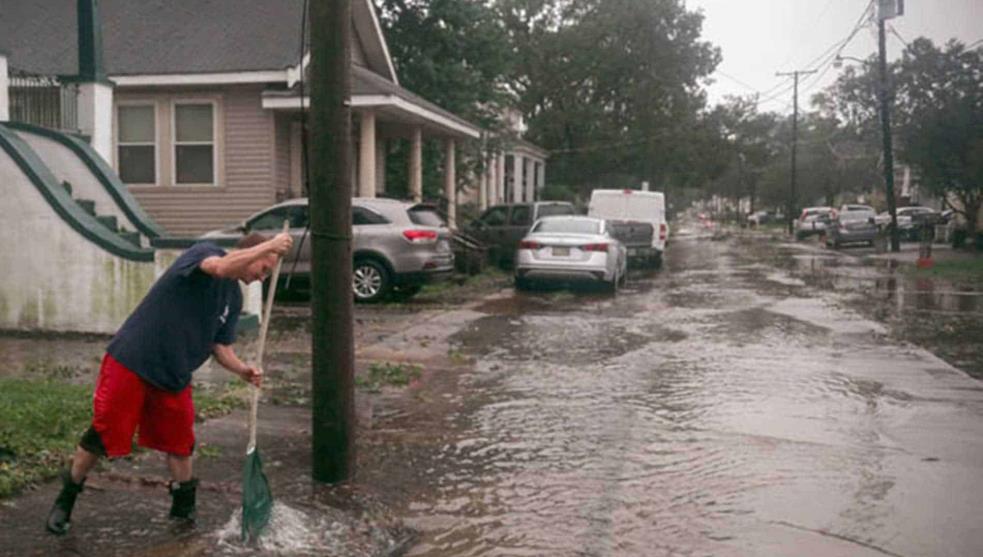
[262, 267]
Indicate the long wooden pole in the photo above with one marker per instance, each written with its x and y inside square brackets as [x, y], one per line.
[332, 381]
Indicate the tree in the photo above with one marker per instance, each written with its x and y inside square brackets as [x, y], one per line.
[940, 115]
[456, 54]
[613, 88]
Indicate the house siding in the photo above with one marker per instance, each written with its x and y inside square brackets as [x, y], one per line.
[282, 158]
[246, 180]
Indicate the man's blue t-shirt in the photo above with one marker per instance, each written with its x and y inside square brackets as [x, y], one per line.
[172, 331]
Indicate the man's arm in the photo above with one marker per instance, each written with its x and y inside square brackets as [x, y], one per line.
[233, 264]
[226, 356]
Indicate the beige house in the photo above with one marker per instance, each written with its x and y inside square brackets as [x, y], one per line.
[200, 115]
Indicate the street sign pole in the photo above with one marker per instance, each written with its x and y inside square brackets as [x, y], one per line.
[333, 353]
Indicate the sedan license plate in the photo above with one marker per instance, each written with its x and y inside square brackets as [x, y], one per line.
[561, 252]
[443, 246]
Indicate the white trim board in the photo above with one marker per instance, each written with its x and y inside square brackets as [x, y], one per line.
[224, 78]
[374, 101]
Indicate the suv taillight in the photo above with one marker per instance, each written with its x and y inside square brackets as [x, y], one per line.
[663, 230]
[420, 236]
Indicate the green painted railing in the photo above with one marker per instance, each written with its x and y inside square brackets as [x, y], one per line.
[62, 203]
[103, 172]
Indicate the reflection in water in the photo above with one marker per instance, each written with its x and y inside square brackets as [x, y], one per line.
[720, 423]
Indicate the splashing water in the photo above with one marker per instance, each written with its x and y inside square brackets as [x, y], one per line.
[290, 532]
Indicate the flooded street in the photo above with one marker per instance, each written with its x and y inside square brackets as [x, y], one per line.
[755, 397]
[721, 406]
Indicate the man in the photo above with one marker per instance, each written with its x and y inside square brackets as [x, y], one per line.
[189, 314]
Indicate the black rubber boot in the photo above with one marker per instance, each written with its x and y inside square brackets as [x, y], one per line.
[183, 499]
[60, 517]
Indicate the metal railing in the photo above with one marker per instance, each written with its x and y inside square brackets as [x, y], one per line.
[43, 100]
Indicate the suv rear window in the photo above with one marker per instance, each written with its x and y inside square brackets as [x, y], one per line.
[363, 216]
[555, 209]
[424, 215]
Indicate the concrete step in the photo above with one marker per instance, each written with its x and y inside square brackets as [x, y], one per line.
[131, 237]
[87, 205]
[109, 221]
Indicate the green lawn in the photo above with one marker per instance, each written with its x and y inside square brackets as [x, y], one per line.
[969, 270]
[42, 420]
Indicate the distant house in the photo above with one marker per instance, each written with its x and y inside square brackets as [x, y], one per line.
[200, 115]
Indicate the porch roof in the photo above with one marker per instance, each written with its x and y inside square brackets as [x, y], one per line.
[392, 102]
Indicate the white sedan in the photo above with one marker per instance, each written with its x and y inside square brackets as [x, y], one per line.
[568, 249]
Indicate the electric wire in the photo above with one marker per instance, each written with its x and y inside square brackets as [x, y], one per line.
[306, 185]
[824, 61]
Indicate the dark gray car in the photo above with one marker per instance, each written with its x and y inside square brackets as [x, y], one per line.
[852, 226]
[397, 245]
[502, 227]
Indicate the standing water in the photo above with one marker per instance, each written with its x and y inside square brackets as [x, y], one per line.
[291, 532]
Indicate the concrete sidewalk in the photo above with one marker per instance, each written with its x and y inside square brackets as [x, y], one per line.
[123, 510]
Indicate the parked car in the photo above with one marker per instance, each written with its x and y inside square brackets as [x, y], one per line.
[571, 249]
[637, 219]
[396, 244]
[502, 226]
[851, 226]
[910, 220]
[811, 221]
[758, 218]
[855, 207]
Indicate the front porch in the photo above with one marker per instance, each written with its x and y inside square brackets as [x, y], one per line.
[383, 112]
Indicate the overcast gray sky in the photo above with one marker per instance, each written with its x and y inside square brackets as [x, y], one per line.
[760, 37]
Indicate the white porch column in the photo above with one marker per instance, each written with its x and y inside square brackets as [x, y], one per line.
[492, 180]
[541, 175]
[450, 182]
[483, 187]
[416, 165]
[529, 172]
[366, 154]
[517, 182]
[95, 116]
[380, 166]
[500, 179]
[4, 90]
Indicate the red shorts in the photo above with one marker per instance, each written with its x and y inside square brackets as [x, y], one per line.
[123, 401]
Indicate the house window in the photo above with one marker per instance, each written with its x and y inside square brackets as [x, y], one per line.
[136, 154]
[194, 143]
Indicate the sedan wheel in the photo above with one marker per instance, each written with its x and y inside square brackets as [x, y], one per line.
[370, 281]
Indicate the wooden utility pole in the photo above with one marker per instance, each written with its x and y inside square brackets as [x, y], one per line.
[333, 351]
[885, 94]
[792, 202]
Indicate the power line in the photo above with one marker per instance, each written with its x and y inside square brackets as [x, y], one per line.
[898, 35]
[826, 59]
[738, 81]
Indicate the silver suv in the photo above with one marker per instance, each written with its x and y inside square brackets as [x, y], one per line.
[398, 246]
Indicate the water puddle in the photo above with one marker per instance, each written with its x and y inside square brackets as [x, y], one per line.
[290, 532]
[296, 532]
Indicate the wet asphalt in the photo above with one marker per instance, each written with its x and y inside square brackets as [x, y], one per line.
[755, 397]
[724, 405]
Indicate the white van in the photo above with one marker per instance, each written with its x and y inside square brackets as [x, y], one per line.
[637, 218]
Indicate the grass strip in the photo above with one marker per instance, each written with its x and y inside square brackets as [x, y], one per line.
[41, 421]
[960, 270]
